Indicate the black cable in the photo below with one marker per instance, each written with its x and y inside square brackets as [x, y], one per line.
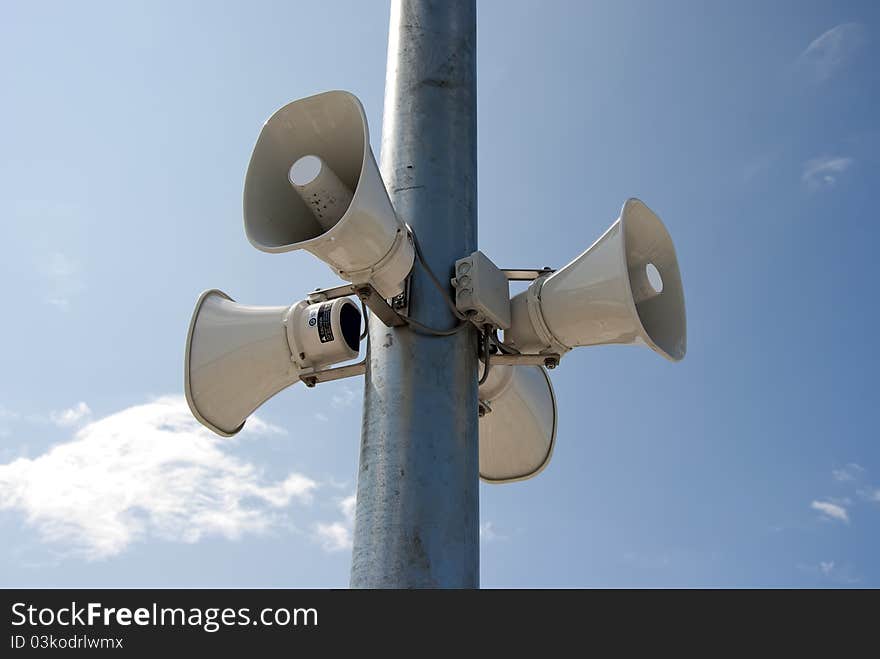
[503, 347]
[419, 328]
[366, 321]
[443, 292]
[425, 329]
[486, 356]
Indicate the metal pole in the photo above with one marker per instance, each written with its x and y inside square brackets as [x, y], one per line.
[417, 519]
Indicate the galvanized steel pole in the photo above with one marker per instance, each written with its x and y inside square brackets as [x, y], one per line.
[417, 519]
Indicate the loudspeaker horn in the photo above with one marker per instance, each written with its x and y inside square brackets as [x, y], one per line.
[626, 288]
[313, 184]
[239, 356]
[517, 423]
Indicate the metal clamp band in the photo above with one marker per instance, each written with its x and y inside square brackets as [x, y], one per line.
[533, 298]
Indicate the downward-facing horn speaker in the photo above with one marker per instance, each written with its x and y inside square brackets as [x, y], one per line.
[517, 423]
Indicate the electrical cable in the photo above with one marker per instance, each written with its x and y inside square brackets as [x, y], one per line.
[486, 356]
[421, 328]
[366, 321]
[503, 347]
[436, 281]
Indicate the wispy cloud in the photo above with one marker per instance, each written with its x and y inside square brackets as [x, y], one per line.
[64, 280]
[830, 510]
[257, 426]
[758, 166]
[72, 416]
[347, 506]
[345, 397]
[823, 172]
[489, 532]
[337, 536]
[849, 472]
[833, 572]
[830, 51]
[148, 471]
[6, 415]
[334, 536]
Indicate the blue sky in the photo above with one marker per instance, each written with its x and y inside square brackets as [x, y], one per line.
[750, 128]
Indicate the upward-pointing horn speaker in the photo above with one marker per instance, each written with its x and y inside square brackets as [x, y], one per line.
[313, 184]
[626, 288]
[239, 356]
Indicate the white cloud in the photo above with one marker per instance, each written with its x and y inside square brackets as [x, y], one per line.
[832, 571]
[334, 536]
[758, 166]
[6, 415]
[149, 470]
[256, 426]
[489, 533]
[849, 472]
[344, 398]
[831, 510]
[347, 506]
[823, 172]
[64, 280]
[337, 536]
[841, 574]
[71, 416]
[828, 52]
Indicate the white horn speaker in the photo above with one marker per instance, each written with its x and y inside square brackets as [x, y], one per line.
[239, 356]
[626, 288]
[517, 423]
[313, 184]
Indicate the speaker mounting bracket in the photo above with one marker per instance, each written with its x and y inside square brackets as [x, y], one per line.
[400, 302]
[370, 297]
[310, 377]
[526, 274]
[550, 360]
